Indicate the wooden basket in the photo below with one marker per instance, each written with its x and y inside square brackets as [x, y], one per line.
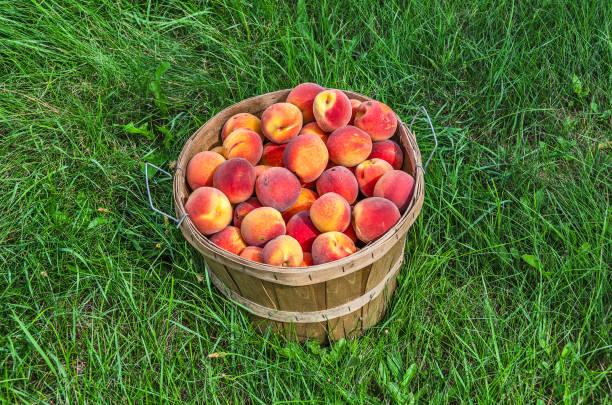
[332, 300]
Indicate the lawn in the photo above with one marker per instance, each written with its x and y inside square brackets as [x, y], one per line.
[505, 296]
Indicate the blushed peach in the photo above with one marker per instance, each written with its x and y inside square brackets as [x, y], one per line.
[338, 180]
[253, 253]
[306, 156]
[377, 119]
[236, 178]
[330, 246]
[368, 173]
[313, 128]
[330, 212]
[259, 169]
[354, 105]
[307, 260]
[283, 251]
[332, 109]
[303, 203]
[201, 167]
[302, 97]
[261, 225]
[229, 238]
[373, 217]
[243, 143]
[388, 151]
[350, 232]
[209, 210]
[348, 146]
[300, 227]
[310, 185]
[278, 188]
[281, 122]
[396, 186]
[241, 120]
[243, 209]
[273, 154]
[219, 150]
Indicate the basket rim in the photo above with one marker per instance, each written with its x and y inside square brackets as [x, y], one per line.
[242, 264]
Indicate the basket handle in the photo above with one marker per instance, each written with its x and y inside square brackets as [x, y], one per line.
[178, 221]
[433, 131]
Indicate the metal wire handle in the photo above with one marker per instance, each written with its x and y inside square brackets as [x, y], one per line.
[433, 131]
[178, 221]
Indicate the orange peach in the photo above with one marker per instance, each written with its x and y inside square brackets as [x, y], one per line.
[306, 156]
[273, 154]
[281, 122]
[236, 178]
[388, 151]
[242, 120]
[330, 246]
[368, 173]
[354, 106]
[283, 251]
[303, 203]
[300, 226]
[252, 253]
[209, 210]
[373, 217]
[261, 225]
[229, 238]
[332, 109]
[348, 146]
[307, 261]
[396, 186]
[243, 143]
[243, 209]
[338, 180]
[219, 150]
[313, 128]
[330, 212]
[350, 232]
[278, 188]
[302, 97]
[377, 119]
[259, 169]
[201, 167]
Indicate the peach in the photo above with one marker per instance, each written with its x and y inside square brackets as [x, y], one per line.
[307, 261]
[219, 150]
[261, 225]
[273, 154]
[310, 185]
[338, 180]
[348, 146]
[354, 106]
[330, 246]
[377, 119]
[201, 167]
[278, 188]
[283, 251]
[241, 120]
[313, 128]
[252, 253]
[330, 212]
[243, 143]
[302, 97]
[388, 151]
[209, 210]
[236, 178]
[303, 203]
[368, 173]
[243, 209]
[306, 156]
[350, 232]
[281, 122]
[396, 186]
[332, 109]
[373, 217]
[229, 238]
[301, 228]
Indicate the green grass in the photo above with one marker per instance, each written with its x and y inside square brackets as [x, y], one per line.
[505, 296]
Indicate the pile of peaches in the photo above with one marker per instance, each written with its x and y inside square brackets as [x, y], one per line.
[311, 181]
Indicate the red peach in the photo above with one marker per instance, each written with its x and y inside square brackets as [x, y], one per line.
[252, 253]
[277, 187]
[332, 109]
[330, 212]
[281, 121]
[373, 217]
[388, 151]
[283, 251]
[229, 238]
[350, 232]
[243, 143]
[236, 178]
[368, 173]
[303, 203]
[241, 120]
[261, 225]
[313, 128]
[209, 210]
[300, 226]
[396, 186]
[377, 119]
[330, 246]
[273, 154]
[302, 97]
[307, 261]
[338, 180]
[348, 146]
[201, 167]
[259, 169]
[243, 209]
[354, 106]
[306, 156]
